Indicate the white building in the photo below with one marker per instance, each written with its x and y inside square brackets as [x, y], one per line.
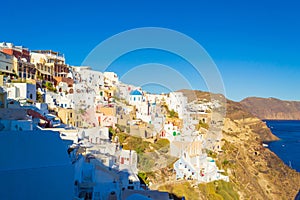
[90, 78]
[59, 99]
[35, 165]
[21, 91]
[69, 134]
[143, 110]
[205, 170]
[62, 87]
[84, 180]
[108, 184]
[15, 120]
[111, 78]
[123, 91]
[46, 56]
[43, 107]
[6, 63]
[177, 102]
[155, 98]
[128, 159]
[170, 131]
[135, 97]
[193, 164]
[97, 135]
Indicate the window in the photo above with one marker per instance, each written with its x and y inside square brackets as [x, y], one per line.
[6, 67]
[70, 115]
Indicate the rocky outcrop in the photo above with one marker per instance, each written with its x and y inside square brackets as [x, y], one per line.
[236, 112]
[255, 171]
[271, 108]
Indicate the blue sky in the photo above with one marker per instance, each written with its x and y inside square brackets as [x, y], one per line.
[255, 44]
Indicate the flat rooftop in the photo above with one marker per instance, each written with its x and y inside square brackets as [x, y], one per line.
[13, 114]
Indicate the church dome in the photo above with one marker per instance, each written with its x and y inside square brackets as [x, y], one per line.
[135, 92]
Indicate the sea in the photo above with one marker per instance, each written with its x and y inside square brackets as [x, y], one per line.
[288, 147]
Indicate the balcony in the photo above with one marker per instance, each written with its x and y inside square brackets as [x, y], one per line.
[51, 54]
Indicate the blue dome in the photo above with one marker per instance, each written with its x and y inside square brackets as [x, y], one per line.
[135, 92]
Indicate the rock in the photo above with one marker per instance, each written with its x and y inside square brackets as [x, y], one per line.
[271, 108]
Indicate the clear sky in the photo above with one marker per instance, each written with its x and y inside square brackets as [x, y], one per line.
[255, 44]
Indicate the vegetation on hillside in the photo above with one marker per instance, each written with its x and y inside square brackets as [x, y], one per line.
[172, 114]
[218, 190]
[49, 86]
[183, 189]
[202, 124]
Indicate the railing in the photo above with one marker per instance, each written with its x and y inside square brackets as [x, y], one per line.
[58, 57]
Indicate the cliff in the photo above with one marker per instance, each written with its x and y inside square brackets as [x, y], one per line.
[271, 108]
[255, 172]
[236, 111]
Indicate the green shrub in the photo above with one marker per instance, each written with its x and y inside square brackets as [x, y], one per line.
[173, 114]
[201, 124]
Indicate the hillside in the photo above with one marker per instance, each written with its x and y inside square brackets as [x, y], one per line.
[254, 171]
[271, 108]
[235, 111]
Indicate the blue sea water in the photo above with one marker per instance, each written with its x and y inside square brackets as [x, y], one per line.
[288, 147]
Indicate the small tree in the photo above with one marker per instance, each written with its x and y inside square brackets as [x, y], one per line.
[39, 97]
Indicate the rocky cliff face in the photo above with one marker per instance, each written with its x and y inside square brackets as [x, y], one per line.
[271, 108]
[236, 112]
[255, 171]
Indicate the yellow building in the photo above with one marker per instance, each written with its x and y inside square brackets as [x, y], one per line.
[107, 111]
[49, 64]
[68, 116]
